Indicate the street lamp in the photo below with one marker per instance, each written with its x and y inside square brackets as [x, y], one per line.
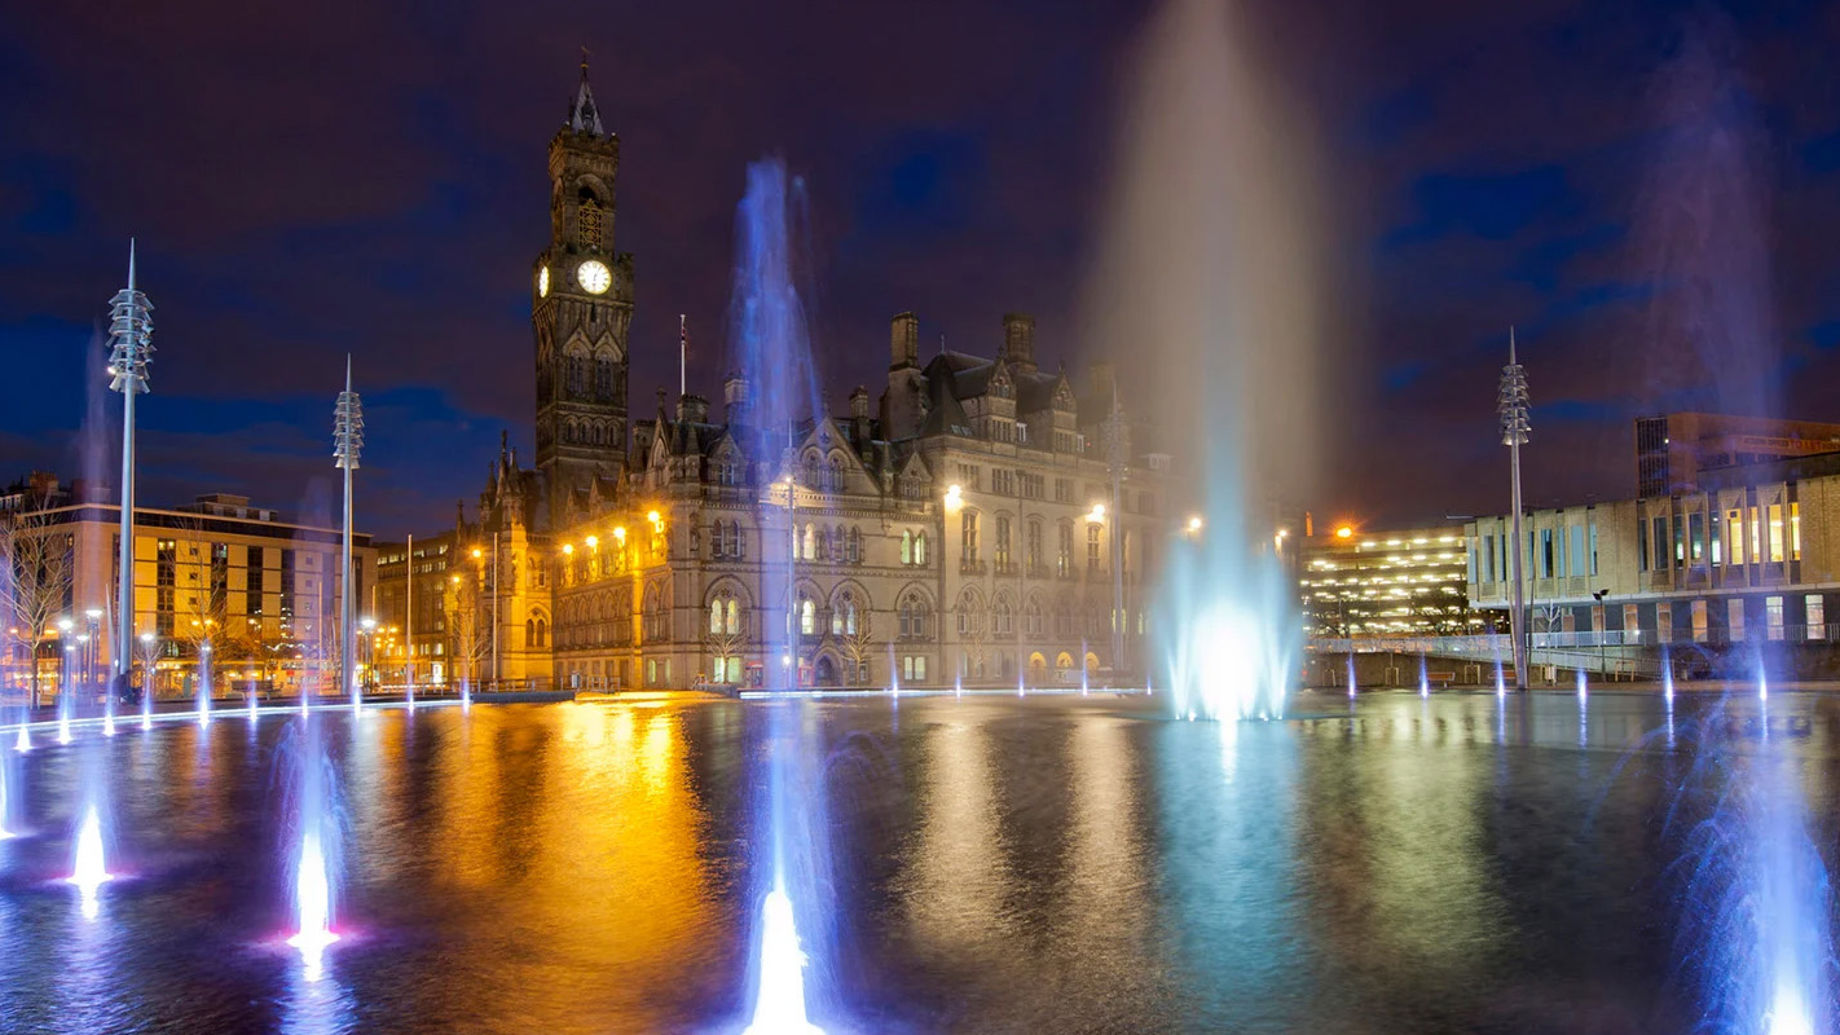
[147, 655]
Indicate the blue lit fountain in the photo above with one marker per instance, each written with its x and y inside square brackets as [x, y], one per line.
[773, 350]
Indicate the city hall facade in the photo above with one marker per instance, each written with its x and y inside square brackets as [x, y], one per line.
[985, 520]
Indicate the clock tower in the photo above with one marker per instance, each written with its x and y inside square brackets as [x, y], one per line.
[581, 307]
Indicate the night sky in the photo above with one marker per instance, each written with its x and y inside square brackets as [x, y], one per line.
[1650, 192]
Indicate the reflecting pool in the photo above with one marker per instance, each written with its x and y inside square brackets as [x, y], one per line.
[1044, 863]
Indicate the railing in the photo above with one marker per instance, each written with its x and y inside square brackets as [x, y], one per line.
[1492, 643]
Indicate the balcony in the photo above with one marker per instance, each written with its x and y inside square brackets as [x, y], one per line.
[972, 567]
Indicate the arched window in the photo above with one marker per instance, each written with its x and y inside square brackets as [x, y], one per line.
[810, 550]
[734, 539]
[1031, 617]
[1032, 546]
[530, 632]
[914, 616]
[843, 616]
[836, 472]
[907, 547]
[1002, 540]
[855, 545]
[920, 548]
[1000, 617]
[588, 219]
[724, 615]
[968, 537]
[603, 377]
[808, 616]
[1092, 547]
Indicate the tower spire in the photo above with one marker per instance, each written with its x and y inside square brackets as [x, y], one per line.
[584, 117]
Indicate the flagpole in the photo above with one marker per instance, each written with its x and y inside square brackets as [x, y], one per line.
[683, 348]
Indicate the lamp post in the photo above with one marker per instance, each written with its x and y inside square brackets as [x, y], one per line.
[149, 651]
[1115, 461]
[1512, 404]
[347, 443]
[130, 352]
[369, 626]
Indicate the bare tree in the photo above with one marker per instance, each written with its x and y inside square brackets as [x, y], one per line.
[37, 572]
[726, 644]
[469, 630]
[974, 639]
[858, 646]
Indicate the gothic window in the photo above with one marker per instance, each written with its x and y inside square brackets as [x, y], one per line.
[1002, 542]
[809, 549]
[1033, 546]
[1064, 562]
[724, 615]
[808, 616]
[577, 375]
[855, 545]
[836, 472]
[968, 537]
[603, 377]
[1092, 547]
[1031, 618]
[811, 471]
[589, 218]
[1000, 617]
[907, 547]
[843, 616]
[914, 616]
[920, 548]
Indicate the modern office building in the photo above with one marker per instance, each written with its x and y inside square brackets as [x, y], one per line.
[1673, 450]
[216, 580]
[1752, 557]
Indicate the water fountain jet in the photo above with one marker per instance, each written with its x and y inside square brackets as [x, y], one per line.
[89, 870]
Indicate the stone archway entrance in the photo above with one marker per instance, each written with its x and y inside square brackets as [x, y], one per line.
[827, 671]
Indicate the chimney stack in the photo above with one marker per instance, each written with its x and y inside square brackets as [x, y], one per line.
[904, 340]
[1019, 341]
[734, 398]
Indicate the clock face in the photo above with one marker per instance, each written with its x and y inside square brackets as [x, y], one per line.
[543, 282]
[594, 276]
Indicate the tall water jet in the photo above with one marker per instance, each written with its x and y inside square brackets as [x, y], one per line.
[1206, 260]
[773, 350]
[1667, 678]
[204, 684]
[1424, 678]
[22, 743]
[315, 855]
[6, 826]
[89, 869]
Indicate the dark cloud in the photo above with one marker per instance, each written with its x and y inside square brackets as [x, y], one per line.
[315, 179]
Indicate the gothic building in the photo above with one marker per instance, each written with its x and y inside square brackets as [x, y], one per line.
[965, 527]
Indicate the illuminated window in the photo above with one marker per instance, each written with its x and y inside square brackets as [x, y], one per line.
[1776, 533]
[907, 548]
[589, 220]
[1773, 617]
[968, 537]
[1795, 531]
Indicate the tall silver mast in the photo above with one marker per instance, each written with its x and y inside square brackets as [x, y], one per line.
[347, 443]
[1515, 427]
[130, 351]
